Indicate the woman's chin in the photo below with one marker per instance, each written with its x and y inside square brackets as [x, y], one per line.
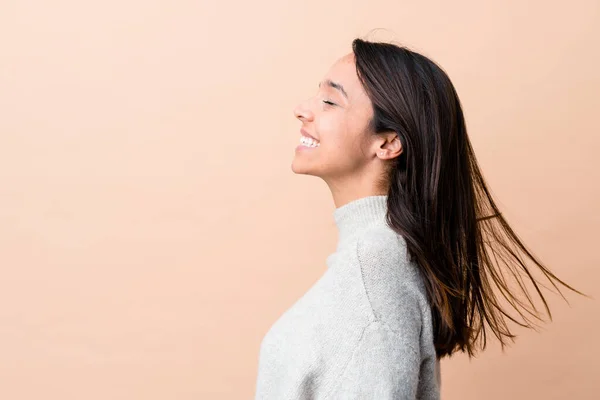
[300, 168]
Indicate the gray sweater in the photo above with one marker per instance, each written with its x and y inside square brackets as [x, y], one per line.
[363, 330]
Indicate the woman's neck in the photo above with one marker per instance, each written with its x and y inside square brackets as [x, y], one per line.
[357, 215]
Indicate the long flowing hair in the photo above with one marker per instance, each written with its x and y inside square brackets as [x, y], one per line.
[439, 202]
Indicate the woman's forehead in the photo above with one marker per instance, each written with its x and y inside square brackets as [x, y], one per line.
[343, 72]
[344, 69]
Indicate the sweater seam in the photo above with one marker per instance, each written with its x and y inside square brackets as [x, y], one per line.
[364, 286]
[339, 377]
[362, 278]
[375, 318]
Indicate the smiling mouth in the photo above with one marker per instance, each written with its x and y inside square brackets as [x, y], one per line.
[309, 142]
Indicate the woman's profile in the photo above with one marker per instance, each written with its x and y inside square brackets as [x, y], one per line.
[423, 251]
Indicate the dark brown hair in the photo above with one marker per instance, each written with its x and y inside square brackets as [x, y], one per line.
[439, 202]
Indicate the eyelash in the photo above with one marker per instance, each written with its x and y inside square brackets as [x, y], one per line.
[328, 102]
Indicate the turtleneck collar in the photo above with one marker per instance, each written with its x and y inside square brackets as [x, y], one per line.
[354, 217]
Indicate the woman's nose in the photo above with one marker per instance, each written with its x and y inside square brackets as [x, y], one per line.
[302, 112]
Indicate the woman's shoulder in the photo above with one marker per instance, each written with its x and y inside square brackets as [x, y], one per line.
[380, 247]
[389, 277]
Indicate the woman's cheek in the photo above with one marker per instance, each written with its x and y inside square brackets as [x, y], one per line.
[329, 129]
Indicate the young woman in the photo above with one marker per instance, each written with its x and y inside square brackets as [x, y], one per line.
[413, 277]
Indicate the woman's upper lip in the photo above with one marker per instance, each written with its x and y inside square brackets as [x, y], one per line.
[303, 132]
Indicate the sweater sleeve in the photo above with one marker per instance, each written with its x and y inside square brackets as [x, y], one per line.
[384, 366]
[386, 360]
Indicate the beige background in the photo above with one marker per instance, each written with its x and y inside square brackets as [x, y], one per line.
[151, 229]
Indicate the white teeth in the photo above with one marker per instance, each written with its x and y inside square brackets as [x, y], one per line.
[309, 142]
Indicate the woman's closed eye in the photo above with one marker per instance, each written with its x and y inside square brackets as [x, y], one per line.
[329, 102]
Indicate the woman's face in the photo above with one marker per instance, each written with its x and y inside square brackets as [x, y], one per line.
[337, 117]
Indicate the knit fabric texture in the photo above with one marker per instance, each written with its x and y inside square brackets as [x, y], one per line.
[363, 330]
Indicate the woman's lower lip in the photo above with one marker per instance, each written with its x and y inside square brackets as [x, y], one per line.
[303, 147]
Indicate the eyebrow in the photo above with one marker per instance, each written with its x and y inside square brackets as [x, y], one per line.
[335, 85]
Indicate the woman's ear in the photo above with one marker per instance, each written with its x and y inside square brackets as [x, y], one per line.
[389, 146]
